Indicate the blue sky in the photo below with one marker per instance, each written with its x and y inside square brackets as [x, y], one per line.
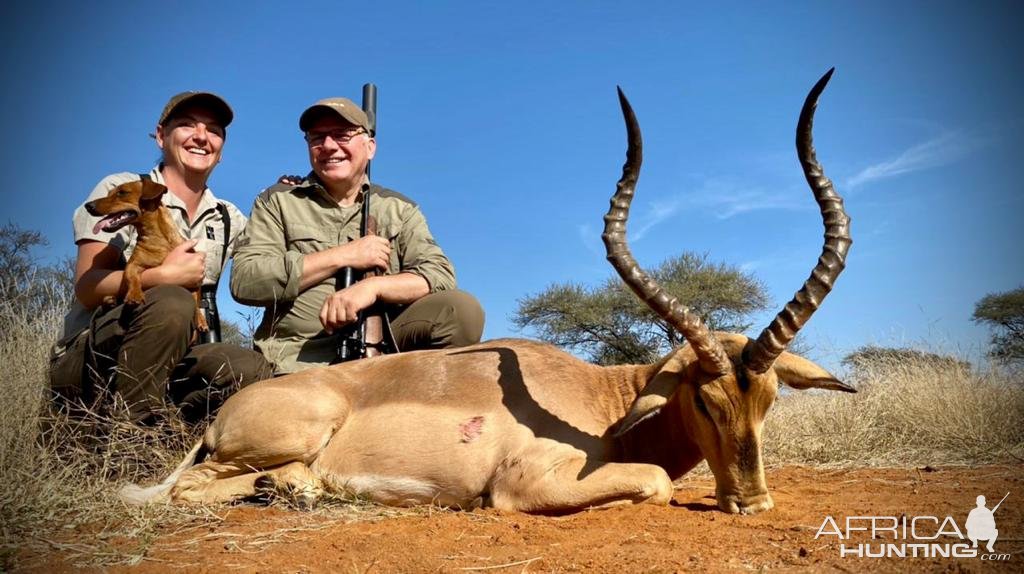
[501, 120]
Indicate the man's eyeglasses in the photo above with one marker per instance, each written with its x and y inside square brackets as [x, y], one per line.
[340, 137]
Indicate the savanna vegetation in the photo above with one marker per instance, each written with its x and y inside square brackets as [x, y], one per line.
[610, 325]
[59, 477]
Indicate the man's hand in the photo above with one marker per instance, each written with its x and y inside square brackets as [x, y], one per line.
[369, 252]
[184, 266]
[343, 306]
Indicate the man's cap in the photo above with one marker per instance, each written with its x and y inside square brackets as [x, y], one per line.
[344, 108]
[216, 104]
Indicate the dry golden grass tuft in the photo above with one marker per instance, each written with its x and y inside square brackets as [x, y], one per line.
[912, 408]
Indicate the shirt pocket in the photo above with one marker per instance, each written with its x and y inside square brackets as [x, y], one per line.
[307, 239]
[214, 250]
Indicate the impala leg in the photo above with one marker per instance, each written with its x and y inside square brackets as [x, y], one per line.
[294, 481]
[272, 429]
[571, 485]
[213, 482]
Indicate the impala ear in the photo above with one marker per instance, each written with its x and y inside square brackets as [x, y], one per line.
[799, 373]
[659, 389]
[649, 403]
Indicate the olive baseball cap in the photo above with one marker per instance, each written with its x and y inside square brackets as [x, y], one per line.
[344, 108]
[216, 104]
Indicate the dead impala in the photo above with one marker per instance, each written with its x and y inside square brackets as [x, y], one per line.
[520, 425]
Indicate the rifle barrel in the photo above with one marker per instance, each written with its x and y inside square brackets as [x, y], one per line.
[1000, 502]
[370, 108]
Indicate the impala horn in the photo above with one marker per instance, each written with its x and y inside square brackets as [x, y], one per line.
[710, 353]
[777, 336]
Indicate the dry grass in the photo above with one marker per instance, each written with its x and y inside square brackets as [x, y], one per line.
[910, 410]
[55, 476]
[58, 479]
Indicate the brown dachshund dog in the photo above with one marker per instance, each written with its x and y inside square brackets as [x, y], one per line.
[138, 203]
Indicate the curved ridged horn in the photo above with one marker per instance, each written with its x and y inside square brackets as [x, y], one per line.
[777, 336]
[710, 353]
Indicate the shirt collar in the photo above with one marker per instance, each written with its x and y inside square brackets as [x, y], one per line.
[313, 181]
[206, 202]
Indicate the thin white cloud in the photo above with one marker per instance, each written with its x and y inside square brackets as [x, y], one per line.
[718, 197]
[658, 212]
[945, 149]
[752, 265]
[590, 238]
[730, 203]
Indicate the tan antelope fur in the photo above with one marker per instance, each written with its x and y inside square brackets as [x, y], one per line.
[521, 425]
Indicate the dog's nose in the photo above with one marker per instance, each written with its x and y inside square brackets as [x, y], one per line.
[91, 208]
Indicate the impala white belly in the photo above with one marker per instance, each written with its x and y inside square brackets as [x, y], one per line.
[402, 491]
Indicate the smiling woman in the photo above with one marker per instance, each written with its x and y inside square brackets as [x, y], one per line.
[143, 350]
[191, 142]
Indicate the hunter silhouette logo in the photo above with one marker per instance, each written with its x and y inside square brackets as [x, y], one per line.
[981, 523]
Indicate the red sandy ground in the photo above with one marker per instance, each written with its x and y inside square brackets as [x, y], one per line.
[689, 535]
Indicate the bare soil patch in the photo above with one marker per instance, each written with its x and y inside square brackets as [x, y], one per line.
[691, 534]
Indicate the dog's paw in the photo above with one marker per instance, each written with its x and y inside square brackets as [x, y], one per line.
[201, 324]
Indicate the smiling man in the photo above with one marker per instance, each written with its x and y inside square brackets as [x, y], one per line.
[145, 353]
[301, 235]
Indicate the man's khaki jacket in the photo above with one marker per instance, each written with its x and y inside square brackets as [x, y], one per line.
[289, 222]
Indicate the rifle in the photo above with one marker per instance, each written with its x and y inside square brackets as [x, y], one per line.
[996, 507]
[362, 338]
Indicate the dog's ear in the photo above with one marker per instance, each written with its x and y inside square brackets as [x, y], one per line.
[152, 189]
